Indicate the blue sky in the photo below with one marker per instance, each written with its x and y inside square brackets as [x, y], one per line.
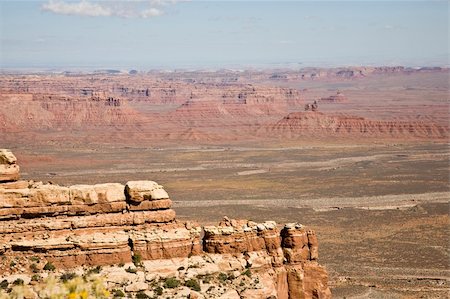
[203, 34]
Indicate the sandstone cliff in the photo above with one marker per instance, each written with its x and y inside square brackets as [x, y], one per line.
[49, 228]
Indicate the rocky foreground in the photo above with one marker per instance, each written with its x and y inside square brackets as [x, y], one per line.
[124, 239]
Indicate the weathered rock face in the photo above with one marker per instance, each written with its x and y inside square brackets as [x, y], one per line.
[9, 170]
[108, 224]
[292, 253]
[91, 224]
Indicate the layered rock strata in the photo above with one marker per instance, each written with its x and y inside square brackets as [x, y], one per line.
[89, 224]
[112, 224]
[308, 123]
[289, 256]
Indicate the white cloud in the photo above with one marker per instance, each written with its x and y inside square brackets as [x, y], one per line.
[82, 8]
[122, 9]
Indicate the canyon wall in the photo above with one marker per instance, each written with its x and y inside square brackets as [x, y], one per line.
[113, 224]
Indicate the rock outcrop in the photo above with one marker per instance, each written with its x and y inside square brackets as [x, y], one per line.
[9, 170]
[113, 224]
[288, 256]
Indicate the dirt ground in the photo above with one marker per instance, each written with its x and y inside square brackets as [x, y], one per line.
[380, 210]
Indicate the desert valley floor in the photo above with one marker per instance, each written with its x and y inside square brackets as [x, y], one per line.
[368, 170]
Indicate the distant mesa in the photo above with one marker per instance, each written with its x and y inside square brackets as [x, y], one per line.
[313, 123]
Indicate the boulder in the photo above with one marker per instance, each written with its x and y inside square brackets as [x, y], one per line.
[7, 157]
[138, 191]
[9, 170]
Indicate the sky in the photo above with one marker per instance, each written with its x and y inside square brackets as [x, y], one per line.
[170, 34]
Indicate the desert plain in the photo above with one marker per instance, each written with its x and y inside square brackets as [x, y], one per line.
[367, 167]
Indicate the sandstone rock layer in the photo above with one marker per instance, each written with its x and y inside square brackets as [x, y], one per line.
[107, 224]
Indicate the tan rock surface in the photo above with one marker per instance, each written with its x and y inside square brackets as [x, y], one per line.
[108, 224]
[138, 191]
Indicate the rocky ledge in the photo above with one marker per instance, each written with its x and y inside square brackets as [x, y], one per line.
[131, 231]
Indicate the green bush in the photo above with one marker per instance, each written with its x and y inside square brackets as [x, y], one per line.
[18, 282]
[67, 276]
[193, 284]
[137, 259]
[95, 270]
[158, 290]
[34, 259]
[49, 267]
[247, 273]
[4, 284]
[223, 277]
[171, 283]
[118, 293]
[131, 270]
[141, 295]
[35, 277]
[207, 278]
[34, 268]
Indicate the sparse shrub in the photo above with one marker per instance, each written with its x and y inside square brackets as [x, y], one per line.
[137, 259]
[222, 277]
[210, 289]
[118, 293]
[35, 277]
[242, 284]
[49, 267]
[181, 268]
[247, 273]
[193, 266]
[231, 276]
[18, 282]
[68, 276]
[193, 284]
[131, 270]
[207, 279]
[171, 283]
[121, 265]
[4, 284]
[34, 259]
[34, 268]
[141, 295]
[12, 264]
[158, 290]
[95, 270]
